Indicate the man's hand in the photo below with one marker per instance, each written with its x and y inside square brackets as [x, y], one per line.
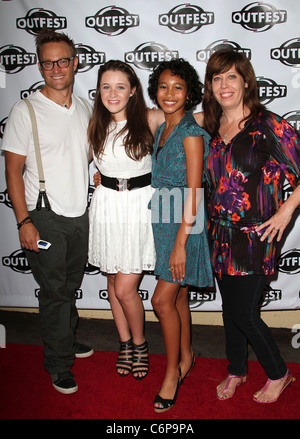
[29, 236]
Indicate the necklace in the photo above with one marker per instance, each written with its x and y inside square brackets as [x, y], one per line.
[65, 105]
[225, 135]
[230, 128]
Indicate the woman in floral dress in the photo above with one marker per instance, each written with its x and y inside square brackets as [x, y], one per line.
[252, 152]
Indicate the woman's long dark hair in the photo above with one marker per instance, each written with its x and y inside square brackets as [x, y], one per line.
[138, 141]
[220, 62]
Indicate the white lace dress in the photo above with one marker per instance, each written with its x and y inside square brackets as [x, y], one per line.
[120, 237]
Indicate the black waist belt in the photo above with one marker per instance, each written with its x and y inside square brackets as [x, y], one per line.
[126, 184]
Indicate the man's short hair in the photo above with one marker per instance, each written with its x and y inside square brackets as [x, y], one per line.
[49, 36]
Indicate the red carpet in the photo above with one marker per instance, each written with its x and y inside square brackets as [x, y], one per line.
[27, 393]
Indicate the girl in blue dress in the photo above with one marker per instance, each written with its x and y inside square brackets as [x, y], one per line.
[178, 220]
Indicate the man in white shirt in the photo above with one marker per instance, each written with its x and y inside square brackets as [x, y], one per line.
[61, 219]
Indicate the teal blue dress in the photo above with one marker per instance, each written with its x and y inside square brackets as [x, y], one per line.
[167, 202]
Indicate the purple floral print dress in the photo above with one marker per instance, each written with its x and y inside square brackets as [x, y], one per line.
[245, 180]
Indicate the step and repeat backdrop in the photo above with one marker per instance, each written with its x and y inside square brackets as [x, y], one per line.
[143, 33]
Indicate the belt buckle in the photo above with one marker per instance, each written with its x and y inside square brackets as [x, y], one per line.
[122, 184]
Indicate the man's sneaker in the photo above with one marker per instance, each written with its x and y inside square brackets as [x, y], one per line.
[64, 382]
[82, 351]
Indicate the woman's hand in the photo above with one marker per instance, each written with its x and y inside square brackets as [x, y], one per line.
[278, 222]
[177, 263]
[276, 225]
[97, 179]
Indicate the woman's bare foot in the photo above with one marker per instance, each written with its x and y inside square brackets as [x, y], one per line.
[226, 389]
[168, 389]
[273, 389]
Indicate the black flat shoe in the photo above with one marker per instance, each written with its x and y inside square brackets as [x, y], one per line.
[191, 367]
[167, 404]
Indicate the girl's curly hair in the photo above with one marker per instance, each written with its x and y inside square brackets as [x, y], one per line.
[187, 72]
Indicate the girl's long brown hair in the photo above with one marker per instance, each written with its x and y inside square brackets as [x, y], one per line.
[138, 141]
[220, 62]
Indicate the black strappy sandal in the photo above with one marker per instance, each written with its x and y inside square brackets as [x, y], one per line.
[166, 404]
[125, 357]
[140, 363]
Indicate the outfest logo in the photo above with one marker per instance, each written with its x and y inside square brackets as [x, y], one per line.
[270, 295]
[144, 295]
[288, 53]
[259, 17]
[91, 191]
[15, 58]
[186, 18]
[268, 90]
[2, 126]
[90, 269]
[289, 262]
[78, 293]
[287, 190]
[293, 118]
[147, 55]
[200, 296]
[88, 57]
[204, 54]
[4, 199]
[17, 261]
[24, 94]
[112, 21]
[39, 18]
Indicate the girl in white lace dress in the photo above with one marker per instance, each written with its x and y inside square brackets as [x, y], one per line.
[121, 240]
